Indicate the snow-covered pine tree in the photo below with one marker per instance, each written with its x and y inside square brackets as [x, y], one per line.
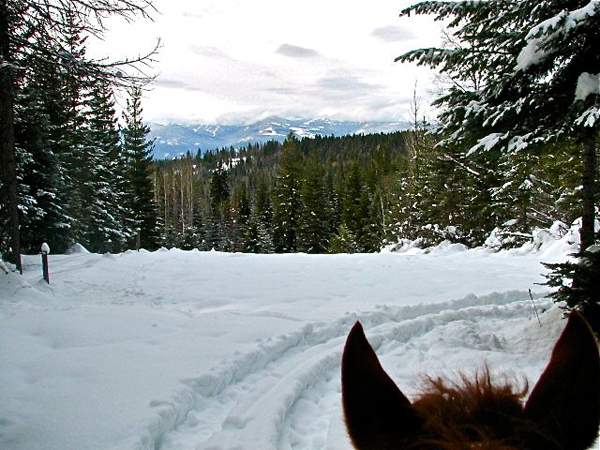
[109, 229]
[198, 228]
[313, 224]
[373, 229]
[259, 238]
[263, 205]
[241, 212]
[138, 153]
[334, 210]
[343, 241]
[354, 207]
[60, 96]
[39, 172]
[523, 200]
[219, 236]
[536, 63]
[565, 185]
[539, 67]
[251, 242]
[77, 190]
[287, 204]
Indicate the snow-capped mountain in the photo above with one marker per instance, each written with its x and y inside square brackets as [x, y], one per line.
[173, 140]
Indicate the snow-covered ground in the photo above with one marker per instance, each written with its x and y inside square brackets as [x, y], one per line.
[187, 350]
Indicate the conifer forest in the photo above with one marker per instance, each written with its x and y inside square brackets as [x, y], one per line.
[512, 150]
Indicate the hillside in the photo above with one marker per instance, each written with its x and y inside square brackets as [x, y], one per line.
[172, 140]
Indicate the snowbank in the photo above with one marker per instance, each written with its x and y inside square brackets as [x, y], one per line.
[553, 242]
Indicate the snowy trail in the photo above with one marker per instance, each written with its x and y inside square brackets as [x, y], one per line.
[286, 394]
[175, 350]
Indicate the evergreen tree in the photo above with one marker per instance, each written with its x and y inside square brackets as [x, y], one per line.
[373, 230]
[138, 153]
[259, 233]
[258, 238]
[577, 285]
[565, 185]
[77, 188]
[460, 202]
[287, 202]
[334, 208]
[53, 136]
[107, 201]
[41, 210]
[353, 216]
[219, 187]
[523, 200]
[263, 205]
[219, 226]
[313, 224]
[241, 217]
[343, 241]
[537, 63]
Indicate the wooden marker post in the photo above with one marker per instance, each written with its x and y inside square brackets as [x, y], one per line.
[45, 270]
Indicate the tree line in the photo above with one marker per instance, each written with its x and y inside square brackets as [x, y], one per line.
[359, 193]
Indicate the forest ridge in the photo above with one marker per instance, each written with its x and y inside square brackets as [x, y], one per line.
[358, 193]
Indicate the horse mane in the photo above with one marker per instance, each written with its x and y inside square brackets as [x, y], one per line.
[462, 411]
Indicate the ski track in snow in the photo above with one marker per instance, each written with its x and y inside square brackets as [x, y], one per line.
[280, 395]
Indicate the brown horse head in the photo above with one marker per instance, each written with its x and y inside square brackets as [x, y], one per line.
[562, 412]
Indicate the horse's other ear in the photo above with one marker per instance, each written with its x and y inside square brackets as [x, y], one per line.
[565, 402]
[378, 415]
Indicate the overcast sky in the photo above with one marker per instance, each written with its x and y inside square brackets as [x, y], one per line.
[225, 61]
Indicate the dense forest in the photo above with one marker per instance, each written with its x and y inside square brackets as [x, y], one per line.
[359, 193]
[483, 173]
[87, 177]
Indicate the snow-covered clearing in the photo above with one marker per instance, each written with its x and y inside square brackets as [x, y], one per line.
[190, 350]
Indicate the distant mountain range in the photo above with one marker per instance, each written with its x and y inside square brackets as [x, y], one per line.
[173, 140]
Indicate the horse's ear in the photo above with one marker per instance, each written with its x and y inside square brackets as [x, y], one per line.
[378, 415]
[565, 402]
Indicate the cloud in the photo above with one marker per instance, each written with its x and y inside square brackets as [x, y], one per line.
[294, 51]
[286, 91]
[346, 85]
[393, 33]
[192, 15]
[169, 83]
[175, 84]
[210, 52]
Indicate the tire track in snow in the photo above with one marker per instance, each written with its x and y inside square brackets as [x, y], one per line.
[285, 394]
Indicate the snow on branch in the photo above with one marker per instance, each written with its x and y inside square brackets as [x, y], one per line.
[565, 20]
[488, 143]
[429, 56]
[539, 38]
[587, 84]
[589, 118]
[441, 9]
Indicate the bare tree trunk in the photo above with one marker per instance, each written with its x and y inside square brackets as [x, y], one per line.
[182, 207]
[8, 164]
[190, 189]
[589, 191]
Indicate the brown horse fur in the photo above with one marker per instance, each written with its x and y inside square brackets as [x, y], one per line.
[562, 412]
